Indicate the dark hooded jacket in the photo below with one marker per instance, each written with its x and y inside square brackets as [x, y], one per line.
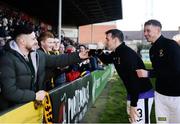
[21, 79]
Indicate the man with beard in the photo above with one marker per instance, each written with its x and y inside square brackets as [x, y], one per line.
[22, 68]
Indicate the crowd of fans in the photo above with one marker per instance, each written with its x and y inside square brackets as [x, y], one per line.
[47, 43]
[50, 44]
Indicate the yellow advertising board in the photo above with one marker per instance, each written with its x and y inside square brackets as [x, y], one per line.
[24, 114]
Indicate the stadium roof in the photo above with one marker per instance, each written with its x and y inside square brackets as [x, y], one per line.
[74, 12]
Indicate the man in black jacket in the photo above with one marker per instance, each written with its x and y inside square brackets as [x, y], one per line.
[22, 68]
[126, 61]
[165, 58]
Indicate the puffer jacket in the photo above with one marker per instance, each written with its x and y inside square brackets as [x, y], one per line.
[19, 81]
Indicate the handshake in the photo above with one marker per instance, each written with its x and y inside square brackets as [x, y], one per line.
[95, 52]
[98, 50]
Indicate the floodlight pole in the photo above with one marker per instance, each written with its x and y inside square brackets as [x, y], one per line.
[60, 19]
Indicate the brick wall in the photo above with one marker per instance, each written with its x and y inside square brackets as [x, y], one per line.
[93, 33]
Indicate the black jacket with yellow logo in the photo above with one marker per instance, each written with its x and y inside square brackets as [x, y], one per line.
[126, 62]
[165, 58]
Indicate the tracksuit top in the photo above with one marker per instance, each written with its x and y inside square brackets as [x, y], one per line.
[126, 62]
[165, 58]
